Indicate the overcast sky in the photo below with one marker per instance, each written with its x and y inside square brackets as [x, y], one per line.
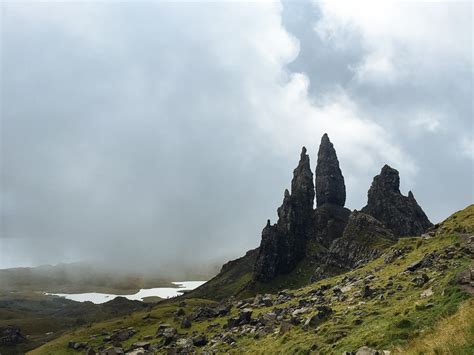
[162, 134]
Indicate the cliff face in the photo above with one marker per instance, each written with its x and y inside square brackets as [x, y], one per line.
[401, 214]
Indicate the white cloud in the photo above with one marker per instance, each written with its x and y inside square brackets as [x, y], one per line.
[426, 120]
[400, 37]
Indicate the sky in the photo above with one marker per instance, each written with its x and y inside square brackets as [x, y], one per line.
[150, 135]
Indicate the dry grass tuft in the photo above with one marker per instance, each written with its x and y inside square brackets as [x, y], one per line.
[452, 335]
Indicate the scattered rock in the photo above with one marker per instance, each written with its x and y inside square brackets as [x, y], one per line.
[200, 340]
[420, 280]
[427, 293]
[185, 323]
[323, 313]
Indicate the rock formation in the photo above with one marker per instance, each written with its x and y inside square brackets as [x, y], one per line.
[283, 244]
[330, 186]
[401, 214]
[363, 240]
[329, 239]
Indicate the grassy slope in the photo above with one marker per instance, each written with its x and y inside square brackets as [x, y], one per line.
[403, 321]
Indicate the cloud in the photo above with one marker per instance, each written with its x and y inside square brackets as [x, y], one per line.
[401, 38]
[150, 134]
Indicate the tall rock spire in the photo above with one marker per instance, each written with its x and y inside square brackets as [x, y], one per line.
[330, 186]
[283, 244]
[302, 186]
[401, 214]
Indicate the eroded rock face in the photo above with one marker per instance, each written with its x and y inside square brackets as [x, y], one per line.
[328, 223]
[283, 244]
[363, 240]
[399, 213]
[330, 186]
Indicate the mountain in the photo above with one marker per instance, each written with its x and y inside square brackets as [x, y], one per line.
[307, 244]
[416, 297]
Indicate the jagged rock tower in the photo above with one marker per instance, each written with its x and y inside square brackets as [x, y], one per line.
[330, 186]
[399, 213]
[283, 244]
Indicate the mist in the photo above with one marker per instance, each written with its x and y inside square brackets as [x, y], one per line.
[159, 136]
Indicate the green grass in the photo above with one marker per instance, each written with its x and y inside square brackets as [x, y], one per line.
[459, 222]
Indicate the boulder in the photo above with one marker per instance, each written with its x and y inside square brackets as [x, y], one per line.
[200, 340]
[185, 323]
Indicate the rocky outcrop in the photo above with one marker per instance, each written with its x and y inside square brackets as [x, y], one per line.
[283, 244]
[399, 213]
[330, 186]
[328, 223]
[363, 240]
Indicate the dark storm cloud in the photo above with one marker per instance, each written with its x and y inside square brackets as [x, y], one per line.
[145, 134]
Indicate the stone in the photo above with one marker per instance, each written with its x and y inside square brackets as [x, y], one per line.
[170, 332]
[200, 340]
[185, 323]
[141, 344]
[330, 187]
[80, 346]
[323, 313]
[113, 351]
[401, 214]
[122, 335]
[365, 350]
[420, 280]
[184, 343]
[367, 292]
[245, 316]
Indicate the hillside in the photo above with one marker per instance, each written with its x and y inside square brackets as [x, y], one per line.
[416, 297]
